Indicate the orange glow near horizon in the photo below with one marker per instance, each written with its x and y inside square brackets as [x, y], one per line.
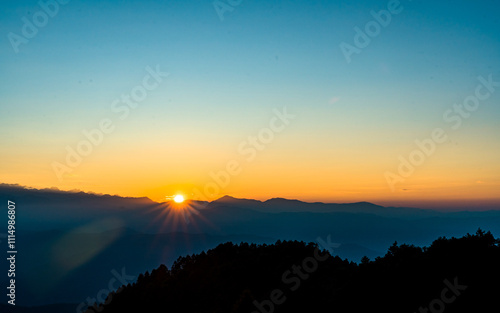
[477, 194]
[334, 176]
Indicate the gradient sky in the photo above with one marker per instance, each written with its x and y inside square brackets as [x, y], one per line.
[352, 120]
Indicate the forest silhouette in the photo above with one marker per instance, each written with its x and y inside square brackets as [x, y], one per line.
[450, 275]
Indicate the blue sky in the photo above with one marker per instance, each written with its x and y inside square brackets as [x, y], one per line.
[227, 76]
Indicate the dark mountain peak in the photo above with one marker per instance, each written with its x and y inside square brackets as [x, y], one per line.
[227, 198]
[366, 204]
[283, 201]
[236, 201]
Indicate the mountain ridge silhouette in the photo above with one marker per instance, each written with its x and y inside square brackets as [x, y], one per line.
[110, 232]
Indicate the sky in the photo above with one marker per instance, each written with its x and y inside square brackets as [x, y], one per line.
[393, 102]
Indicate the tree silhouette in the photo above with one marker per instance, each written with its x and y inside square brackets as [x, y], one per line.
[242, 278]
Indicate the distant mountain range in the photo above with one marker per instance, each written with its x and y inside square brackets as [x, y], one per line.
[69, 242]
[279, 205]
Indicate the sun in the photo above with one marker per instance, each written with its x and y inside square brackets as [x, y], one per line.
[179, 198]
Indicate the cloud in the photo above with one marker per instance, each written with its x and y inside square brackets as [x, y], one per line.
[334, 99]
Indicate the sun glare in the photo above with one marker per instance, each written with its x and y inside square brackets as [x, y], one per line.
[179, 198]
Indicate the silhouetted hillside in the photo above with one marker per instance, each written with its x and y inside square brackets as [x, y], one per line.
[83, 237]
[451, 275]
